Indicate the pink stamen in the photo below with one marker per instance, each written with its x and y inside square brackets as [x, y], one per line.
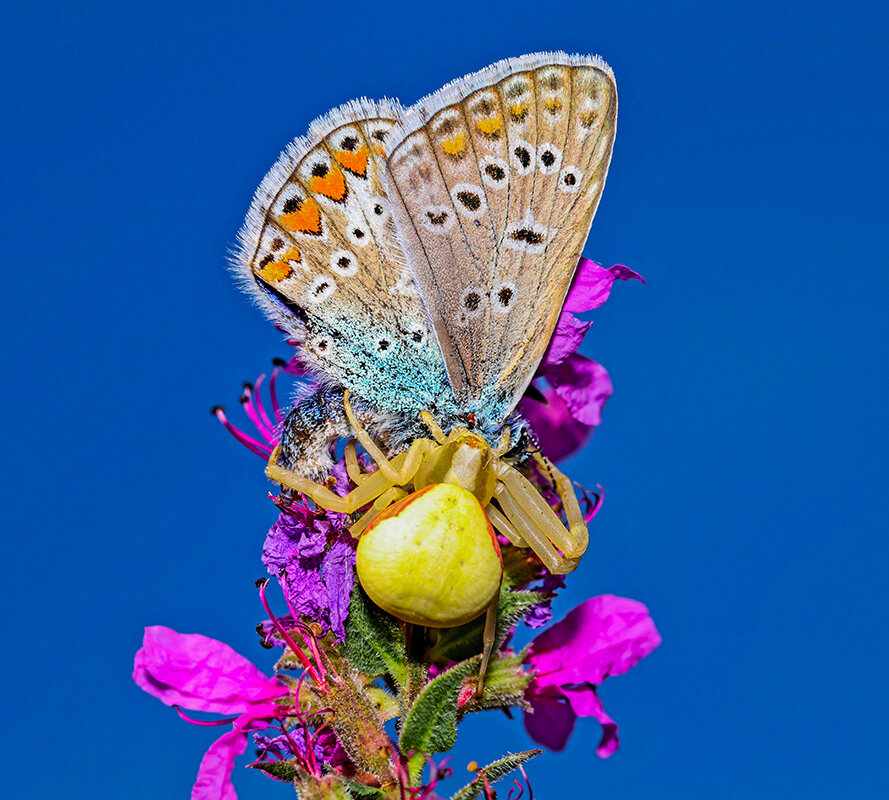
[207, 723]
[517, 786]
[255, 446]
[527, 782]
[592, 507]
[261, 407]
[249, 404]
[261, 585]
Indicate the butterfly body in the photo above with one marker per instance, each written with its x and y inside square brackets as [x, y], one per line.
[421, 256]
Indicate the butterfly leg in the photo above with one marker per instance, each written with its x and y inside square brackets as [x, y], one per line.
[531, 516]
[398, 475]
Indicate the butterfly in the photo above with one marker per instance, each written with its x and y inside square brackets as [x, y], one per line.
[420, 256]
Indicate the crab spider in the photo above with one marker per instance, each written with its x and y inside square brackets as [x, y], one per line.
[463, 458]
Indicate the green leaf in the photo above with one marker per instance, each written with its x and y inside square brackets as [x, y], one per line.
[506, 681]
[431, 723]
[362, 792]
[494, 772]
[374, 641]
[455, 644]
[282, 770]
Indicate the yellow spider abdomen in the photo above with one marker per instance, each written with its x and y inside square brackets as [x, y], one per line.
[431, 558]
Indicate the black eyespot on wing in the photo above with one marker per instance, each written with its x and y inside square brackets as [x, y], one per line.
[378, 210]
[470, 199]
[292, 204]
[344, 262]
[277, 243]
[495, 173]
[266, 260]
[383, 345]
[524, 157]
[417, 336]
[472, 301]
[548, 158]
[322, 287]
[526, 235]
[349, 143]
[437, 219]
[319, 170]
[504, 296]
[380, 135]
[358, 233]
[570, 179]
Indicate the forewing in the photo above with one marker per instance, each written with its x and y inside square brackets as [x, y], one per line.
[494, 182]
[320, 253]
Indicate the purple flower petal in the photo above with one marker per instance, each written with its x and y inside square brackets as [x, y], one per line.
[551, 722]
[214, 776]
[339, 577]
[566, 339]
[584, 701]
[604, 636]
[592, 284]
[590, 287]
[199, 673]
[558, 432]
[584, 385]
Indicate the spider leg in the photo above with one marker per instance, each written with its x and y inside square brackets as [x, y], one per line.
[489, 638]
[540, 526]
[371, 488]
[577, 527]
[437, 433]
[353, 468]
[505, 442]
[402, 474]
[383, 502]
[502, 524]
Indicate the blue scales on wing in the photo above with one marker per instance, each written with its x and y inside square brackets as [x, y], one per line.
[320, 254]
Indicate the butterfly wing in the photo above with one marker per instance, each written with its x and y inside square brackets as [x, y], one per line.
[320, 254]
[494, 182]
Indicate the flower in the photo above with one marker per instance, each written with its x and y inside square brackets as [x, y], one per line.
[203, 674]
[267, 424]
[578, 386]
[601, 637]
[312, 554]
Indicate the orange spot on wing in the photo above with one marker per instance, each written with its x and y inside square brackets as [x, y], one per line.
[306, 219]
[332, 185]
[490, 127]
[380, 150]
[354, 161]
[292, 254]
[455, 145]
[276, 271]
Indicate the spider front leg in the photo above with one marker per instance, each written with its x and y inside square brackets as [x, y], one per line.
[369, 490]
[533, 520]
[577, 527]
[398, 474]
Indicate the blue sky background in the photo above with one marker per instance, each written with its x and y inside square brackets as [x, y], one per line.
[743, 452]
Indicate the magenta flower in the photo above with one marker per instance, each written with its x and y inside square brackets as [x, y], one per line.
[578, 386]
[602, 637]
[202, 674]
